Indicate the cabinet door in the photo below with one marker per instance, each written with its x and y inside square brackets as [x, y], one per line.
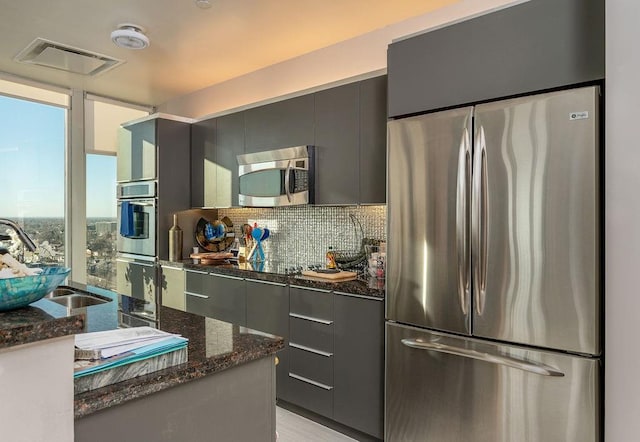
[216, 296]
[202, 162]
[172, 287]
[229, 144]
[283, 124]
[268, 311]
[532, 46]
[337, 145]
[373, 140]
[137, 152]
[359, 363]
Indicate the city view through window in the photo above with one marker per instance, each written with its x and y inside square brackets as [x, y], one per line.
[32, 189]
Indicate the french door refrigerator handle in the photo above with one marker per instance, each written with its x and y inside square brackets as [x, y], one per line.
[531, 367]
[479, 220]
[463, 197]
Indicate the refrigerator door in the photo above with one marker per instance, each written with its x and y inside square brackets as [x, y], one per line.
[428, 254]
[535, 229]
[449, 388]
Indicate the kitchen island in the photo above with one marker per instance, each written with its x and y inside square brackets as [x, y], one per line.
[226, 389]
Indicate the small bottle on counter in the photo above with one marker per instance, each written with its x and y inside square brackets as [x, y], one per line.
[175, 240]
[331, 259]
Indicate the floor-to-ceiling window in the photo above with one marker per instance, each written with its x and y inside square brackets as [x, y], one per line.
[33, 131]
[41, 139]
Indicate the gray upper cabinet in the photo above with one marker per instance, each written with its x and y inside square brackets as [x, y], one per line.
[337, 117]
[537, 45]
[359, 363]
[229, 144]
[214, 168]
[202, 160]
[373, 141]
[346, 124]
[283, 124]
[137, 152]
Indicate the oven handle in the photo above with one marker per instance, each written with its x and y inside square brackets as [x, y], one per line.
[133, 203]
[130, 261]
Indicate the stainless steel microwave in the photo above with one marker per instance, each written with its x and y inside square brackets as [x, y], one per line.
[282, 177]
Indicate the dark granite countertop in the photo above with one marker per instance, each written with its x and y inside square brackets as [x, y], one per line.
[32, 324]
[274, 271]
[213, 346]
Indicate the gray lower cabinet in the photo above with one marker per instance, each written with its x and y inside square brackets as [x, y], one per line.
[268, 311]
[358, 363]
[311, 372]
[216, 296]
[172, 287]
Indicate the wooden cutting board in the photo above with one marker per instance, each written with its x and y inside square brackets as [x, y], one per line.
[340, 276]
[211, 257]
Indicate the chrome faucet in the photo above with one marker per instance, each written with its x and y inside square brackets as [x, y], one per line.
[21, 234]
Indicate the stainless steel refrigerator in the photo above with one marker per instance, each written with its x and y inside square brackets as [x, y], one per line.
[493, 304]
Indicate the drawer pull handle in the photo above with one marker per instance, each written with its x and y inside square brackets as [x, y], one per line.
[311, 289]
[197, 295]
[309, 381]
[257, 281]
[310, 350]
[218, 275]
[311, 318]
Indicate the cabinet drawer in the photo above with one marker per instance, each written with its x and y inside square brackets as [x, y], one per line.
[197, 304]
[218, 297]
[196, 281]
[312, 303]
[311, 395]
[311, 364]
[315, 335]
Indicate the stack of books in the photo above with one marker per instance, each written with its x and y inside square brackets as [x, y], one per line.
[107, 357]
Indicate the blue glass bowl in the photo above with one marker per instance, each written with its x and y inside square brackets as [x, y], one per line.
[22, 291]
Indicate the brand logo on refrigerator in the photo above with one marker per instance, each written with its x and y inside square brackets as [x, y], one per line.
[578, 115]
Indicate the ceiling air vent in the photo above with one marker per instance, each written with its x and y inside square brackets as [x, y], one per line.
[48, 53]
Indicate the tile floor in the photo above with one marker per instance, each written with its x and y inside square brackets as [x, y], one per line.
[294, 428]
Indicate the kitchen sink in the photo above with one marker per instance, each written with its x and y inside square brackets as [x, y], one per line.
[74, 299]
[79, 301]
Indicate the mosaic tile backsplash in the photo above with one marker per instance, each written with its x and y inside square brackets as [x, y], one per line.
[301, 235]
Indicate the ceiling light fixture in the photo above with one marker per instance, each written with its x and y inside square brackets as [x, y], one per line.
[203, 4]
[130, 36]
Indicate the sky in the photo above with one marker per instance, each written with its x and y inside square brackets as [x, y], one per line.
[32, 139]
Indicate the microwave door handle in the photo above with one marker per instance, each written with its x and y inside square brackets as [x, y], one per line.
[287, 180]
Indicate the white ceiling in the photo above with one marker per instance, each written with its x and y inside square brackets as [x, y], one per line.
[191, 48]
